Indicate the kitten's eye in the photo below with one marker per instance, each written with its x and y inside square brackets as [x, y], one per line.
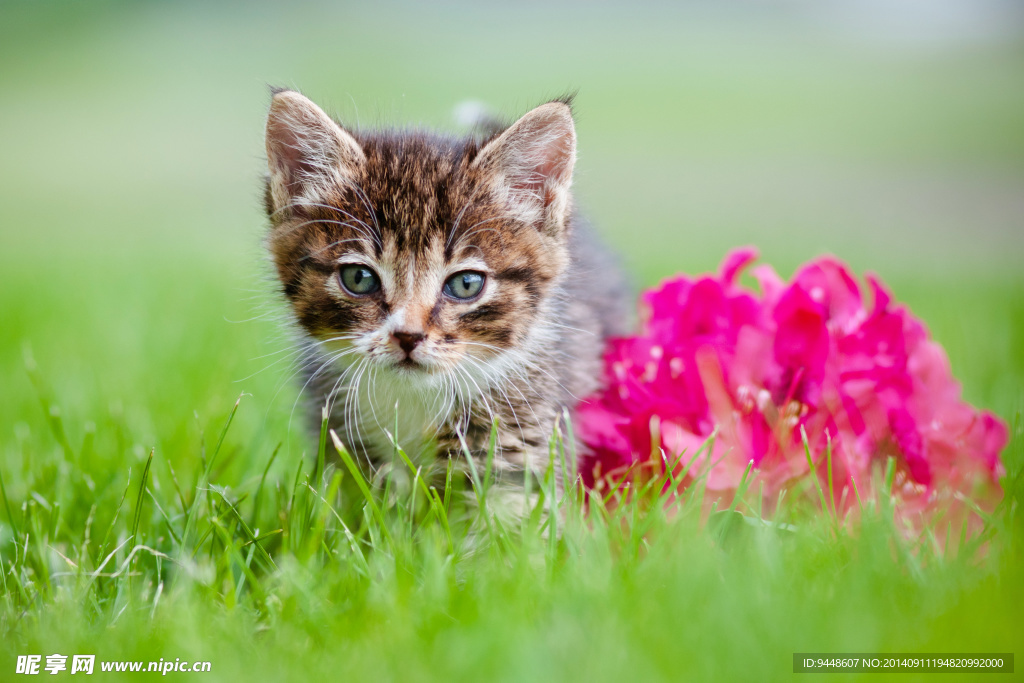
[359, 280]
[464, 285]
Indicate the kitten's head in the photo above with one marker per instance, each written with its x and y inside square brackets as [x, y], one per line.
[419, 254]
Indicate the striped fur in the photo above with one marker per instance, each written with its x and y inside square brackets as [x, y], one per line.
[415, 208]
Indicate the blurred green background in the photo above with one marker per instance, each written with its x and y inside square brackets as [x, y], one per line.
[891, 134]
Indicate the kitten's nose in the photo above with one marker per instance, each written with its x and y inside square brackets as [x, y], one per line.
[407, 340]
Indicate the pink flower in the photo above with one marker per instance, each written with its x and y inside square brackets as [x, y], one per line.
[757, 370]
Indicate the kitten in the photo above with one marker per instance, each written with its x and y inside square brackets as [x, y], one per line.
[448, 279]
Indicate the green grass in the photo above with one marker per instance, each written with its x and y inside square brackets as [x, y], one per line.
[329, 574]
[133, 316]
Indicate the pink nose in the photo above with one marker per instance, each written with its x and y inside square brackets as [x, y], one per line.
[407, 340]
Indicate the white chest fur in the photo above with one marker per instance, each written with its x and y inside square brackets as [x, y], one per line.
[409, 409]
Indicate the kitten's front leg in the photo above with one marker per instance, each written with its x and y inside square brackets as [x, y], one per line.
[512, 454]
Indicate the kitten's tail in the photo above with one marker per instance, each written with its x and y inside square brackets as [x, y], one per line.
[479, 118]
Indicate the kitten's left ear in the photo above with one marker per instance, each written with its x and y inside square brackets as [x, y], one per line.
[307, 152]
[531, 165]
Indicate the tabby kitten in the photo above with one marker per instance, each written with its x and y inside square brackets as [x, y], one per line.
[444, 281]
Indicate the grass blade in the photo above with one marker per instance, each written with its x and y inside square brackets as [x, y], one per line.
[357, 475]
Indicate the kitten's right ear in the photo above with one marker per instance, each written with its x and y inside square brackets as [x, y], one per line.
[307, 152]
[532, 163]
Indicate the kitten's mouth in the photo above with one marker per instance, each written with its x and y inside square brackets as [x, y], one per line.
[407, 364]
